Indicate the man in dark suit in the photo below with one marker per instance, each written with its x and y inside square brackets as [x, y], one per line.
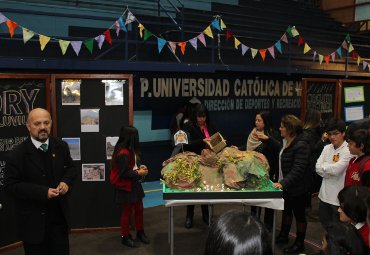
[39, 174]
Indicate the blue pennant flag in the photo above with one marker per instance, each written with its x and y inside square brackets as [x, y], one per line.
[278, 46]
[122, 24]
[216, 24]
[161, 43]
[339, 51]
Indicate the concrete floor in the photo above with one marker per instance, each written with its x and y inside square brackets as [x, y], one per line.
[186, 241]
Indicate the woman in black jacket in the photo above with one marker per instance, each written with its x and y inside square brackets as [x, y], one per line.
[294, 161]
[198, 130]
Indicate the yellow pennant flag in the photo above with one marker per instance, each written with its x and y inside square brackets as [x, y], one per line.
[43, 41]
[321, 58]
[223, 26]
[64, 45]
[306, 48]
[350, 48]
[294, 31]
[27, 35]
[254, 52]
[236, 42]
[208, 31]
[141, 27]
[358, 60]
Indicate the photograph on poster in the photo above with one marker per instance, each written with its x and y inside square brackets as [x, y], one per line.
[353, 113]
[74, 147]
[93, 172]
[110, 142]
[354, 94]
[90, 120]
[114, 92]
[71, 92]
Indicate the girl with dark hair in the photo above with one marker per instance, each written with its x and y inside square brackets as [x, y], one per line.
[198, 129]
[342, 239]
[237, 233]
[264, 139]
[358, 171]
[125, 174]
[352, 209]
[293, 163]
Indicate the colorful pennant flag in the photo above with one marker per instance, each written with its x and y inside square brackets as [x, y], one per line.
[254, 52]
[89, 44]
[173, 46]
[354, 55]
[306, 48]
[147, 34]
[364, 65]
[289, 31]
[284, 38]
[332, 56]
[2, 18]
[223, 26]
[321, 57]
[27, 35]
[43, 41]
[327, 59]
[229, 34]
[107, 36]
[244, 49]
[348, 38]
[182, 47]
[294, 31]
[64, 46]
[278, 47]
[11, 26]
[141, 28]
[272, 51]
[194, 42]
[358, 60]
[236, 43]
[300, 40]
[208, 32]
[202, 39]
[161, 43]
[314, 55]
[339, 52]
[76, 45]
[350, 48]
[130, 18]
[121, 24]
[263, 54]
[344, 45]
[216, 24]
[100, 39]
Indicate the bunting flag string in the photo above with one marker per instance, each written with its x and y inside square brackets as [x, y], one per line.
[217, 24]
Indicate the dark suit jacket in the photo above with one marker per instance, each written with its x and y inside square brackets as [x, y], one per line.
[196, 136]
[26, 182]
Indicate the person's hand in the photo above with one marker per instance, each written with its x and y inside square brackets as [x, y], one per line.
[63, 188]
[53, 192]
[261, 136]
[277, 185]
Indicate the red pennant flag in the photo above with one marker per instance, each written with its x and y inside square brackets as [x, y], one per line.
[263, 54]
[11, 26]
[108, 38]
[327, 59]
[229, 34]
[300, 40]
[354, 55]
[182, 47]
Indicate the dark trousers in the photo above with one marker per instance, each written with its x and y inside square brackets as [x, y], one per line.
[56, 242]
[269, 215]
[297, 206]
[328, 214]
[126, 215]
[190, 211]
